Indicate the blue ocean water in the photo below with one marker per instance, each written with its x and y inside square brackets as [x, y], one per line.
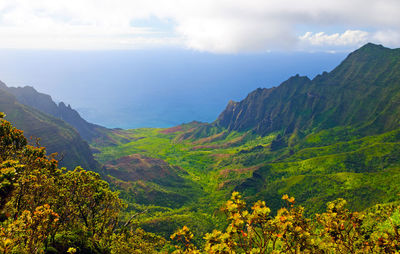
[154, 88]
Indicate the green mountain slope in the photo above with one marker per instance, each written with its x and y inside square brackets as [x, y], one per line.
[363, 91]
[29, 96]
[337, 135]
[55, 134]
[364, 171]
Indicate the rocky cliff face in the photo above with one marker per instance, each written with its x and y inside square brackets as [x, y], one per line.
[363, 91]
[29, 96]
[54, 134]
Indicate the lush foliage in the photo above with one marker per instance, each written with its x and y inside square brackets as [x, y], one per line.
[49, 210]
[316, 168]
[335, 231]
[336, 136]
[46, 209]
[55, 134]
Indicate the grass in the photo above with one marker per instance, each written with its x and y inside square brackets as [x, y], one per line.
[316, 168]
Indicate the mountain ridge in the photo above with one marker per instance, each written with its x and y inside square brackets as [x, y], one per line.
[28, 95]
[53, 133]
[330, 99]
[335, 136]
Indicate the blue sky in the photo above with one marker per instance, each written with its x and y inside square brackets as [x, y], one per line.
[158, 63]
[154, 88]
[217, 26]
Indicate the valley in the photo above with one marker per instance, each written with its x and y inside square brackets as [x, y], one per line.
[335, 136]
[283, 140]
[365, 171]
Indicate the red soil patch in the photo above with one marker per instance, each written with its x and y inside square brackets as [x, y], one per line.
[221, 155]
[212, 138]
[206, 147]
[231, 143]
[171, 130]
[236, 140]
[139, 167]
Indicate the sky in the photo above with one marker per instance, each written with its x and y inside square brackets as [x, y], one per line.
[159, 63]
[215, 26]
[154, 88]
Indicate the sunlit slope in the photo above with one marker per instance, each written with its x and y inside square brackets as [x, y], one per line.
[364, 170]
[53, 133]
[334, 136]
[363, 91]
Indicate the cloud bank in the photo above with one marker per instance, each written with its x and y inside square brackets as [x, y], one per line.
[220, 26]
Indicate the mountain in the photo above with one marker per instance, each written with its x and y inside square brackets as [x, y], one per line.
[335, 136]
[55, 134]
[29, 96]
[363, 91]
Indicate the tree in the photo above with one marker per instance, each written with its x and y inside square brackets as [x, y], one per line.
[46, 208]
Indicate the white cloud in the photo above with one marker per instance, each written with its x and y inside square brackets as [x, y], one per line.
[387, 37]
[348, 38]
[209, 25]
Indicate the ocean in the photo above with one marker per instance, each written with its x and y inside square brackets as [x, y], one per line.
[154, 88]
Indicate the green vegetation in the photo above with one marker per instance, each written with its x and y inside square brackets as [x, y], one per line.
[44, 209]
[335, 231]
[324, 140]
[336, 136]
[362, 92]
[317, 168]
[53, 133]
[30, 97]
